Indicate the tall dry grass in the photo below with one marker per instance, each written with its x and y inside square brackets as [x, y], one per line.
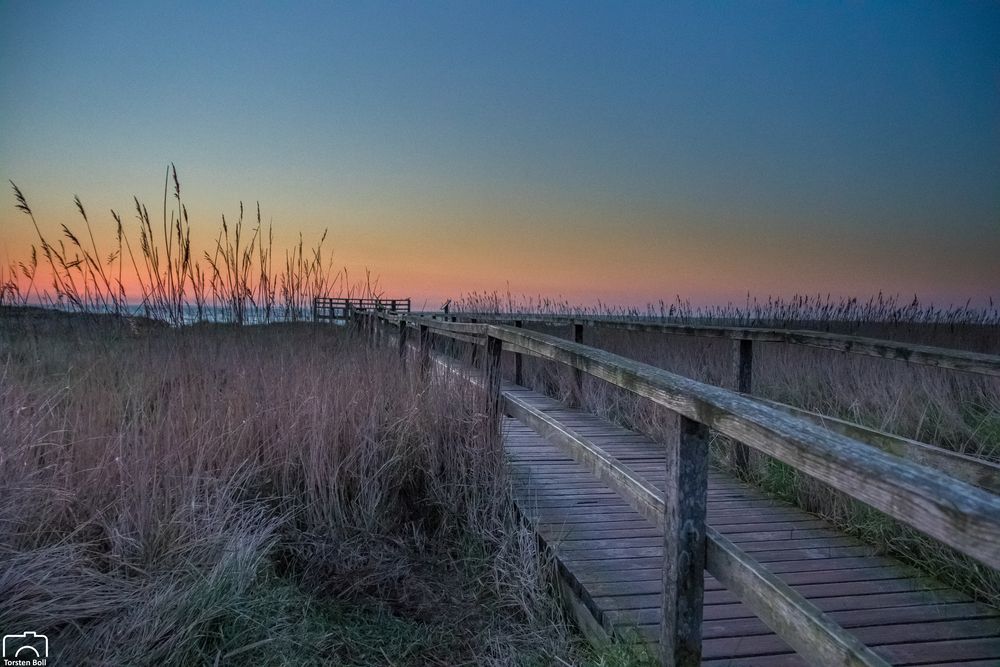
[261, 495]
[947, 408]
[183, 493]
[237, 279]
[881, 314]
[190, 489]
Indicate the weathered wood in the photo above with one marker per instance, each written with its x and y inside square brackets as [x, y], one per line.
[926, 355]
[581, 613]
[720, 609]
[954, 512]
[813, 634]
[577, 373]
[474, 358]
[743, 365]
[618, 477]
[465, 338]
[971, 469]
[469, 328]
[332, 308]
[743, 372]
[425, 349]
[815, 629]
[402, 340]
[684, 545]
[748, 420]
[492, 377]
[518, 360]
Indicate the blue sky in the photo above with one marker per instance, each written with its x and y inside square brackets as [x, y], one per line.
[642, 149]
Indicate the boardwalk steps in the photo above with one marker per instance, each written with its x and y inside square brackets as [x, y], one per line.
[610, 558]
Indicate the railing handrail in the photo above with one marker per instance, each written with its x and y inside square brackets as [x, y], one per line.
[952, 511]
[976, 471]
[793, 617]
[925, 355]
[324, 305]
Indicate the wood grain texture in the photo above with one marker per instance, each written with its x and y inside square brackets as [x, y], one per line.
[622, 586]
[518, 359]
[926, 355]
[979, 472]
[743, 383]
[610, 556]
[941, 507]
[679, 512]
[954, 512]
[684, 506]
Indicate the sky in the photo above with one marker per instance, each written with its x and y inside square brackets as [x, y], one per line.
[621, 152]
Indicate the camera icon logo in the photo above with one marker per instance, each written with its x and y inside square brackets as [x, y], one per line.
[25, 648]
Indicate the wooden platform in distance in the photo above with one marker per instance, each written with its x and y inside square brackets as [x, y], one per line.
[611, 557]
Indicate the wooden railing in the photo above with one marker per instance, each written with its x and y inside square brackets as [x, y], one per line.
[926, 355]
[335, 308]
[953, 511]
[742, 374]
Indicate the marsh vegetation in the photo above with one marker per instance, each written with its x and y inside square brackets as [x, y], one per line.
[180, 490]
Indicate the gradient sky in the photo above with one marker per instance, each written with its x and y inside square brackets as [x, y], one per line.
[617, 151]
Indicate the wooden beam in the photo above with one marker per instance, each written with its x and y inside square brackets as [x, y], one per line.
[425, 349]
[492, 377]
[950, 510]
[684, 546]
[620, 478]
[577, 373]
[441, 327]
[953, 512]
[979, 472]
[402, 340]
[743, 372]
[475, 351]
[518, 360]
[815, 635]
[926, 355]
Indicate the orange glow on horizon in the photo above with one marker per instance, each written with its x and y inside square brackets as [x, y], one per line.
[570, 254]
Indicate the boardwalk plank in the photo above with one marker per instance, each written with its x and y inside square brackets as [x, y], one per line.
[614, 558]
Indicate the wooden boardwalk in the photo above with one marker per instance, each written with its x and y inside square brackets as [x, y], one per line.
[610, 558]
[599, 496]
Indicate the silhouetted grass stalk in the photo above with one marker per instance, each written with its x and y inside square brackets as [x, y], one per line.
[235, 281]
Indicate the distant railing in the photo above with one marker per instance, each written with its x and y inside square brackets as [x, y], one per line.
[953, 511]
[926, 355]
[330, 308]
[742, 374]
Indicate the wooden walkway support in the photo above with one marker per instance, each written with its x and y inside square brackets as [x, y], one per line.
[332, 309]
[611, 557]
[925, 355]
[635, 524]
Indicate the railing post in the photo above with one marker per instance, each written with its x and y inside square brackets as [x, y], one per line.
[402, 340]
[425, 349]
[475, 348]
[492, 376]
[685, 499]
[743, 372]
[518, 360]
[577, 373]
